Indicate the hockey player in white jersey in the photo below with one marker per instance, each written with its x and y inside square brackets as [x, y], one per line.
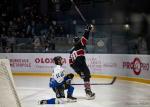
[60, 82]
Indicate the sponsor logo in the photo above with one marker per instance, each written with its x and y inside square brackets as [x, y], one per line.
[46, 60]
[20, 63]
[136, 65]
[110, 65]
[94, 63]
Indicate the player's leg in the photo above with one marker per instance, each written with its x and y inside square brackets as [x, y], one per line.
[59, 97]
[70, 89]
[84, 72]
[53, 101]
[49, 101]
[59, 92]
[75, 68]
[82, 69]
[70, 93]
[86, 77]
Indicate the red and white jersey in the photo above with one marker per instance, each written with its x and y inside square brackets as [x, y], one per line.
[58, 73]
[79, 49]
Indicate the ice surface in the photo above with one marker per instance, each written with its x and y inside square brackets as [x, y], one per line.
[120, 94]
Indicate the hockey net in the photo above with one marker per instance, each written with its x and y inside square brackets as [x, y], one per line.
[8, 94]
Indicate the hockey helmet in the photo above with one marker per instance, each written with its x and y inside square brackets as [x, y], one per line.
[57, 60]
[76, 39]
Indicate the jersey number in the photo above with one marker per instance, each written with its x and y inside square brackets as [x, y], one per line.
[58, 75]
[74, 55]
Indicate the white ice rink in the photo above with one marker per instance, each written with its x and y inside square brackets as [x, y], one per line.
[120, 94]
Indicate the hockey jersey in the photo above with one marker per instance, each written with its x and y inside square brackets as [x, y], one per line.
[57, 76]
[78, 50]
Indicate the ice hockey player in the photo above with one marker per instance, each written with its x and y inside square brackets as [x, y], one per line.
[60, 82]
[78, 62]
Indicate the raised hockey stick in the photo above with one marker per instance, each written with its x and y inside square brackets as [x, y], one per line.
[77, 9]
[109, 83]
[81, 15]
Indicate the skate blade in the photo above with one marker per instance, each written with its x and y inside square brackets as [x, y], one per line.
[90, 98]
[71, 101]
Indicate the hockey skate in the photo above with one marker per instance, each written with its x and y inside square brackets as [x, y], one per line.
[71, 98]
[89, 94]
[41, 102]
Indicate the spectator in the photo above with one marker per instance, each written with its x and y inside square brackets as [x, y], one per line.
[37, 44]
[11, 42]
[8, 50]
[4, 39]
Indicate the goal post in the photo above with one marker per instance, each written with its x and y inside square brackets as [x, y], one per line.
[8, 94]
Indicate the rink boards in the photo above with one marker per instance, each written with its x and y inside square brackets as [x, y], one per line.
[126, 67]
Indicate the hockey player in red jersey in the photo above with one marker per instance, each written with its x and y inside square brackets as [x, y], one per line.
[78, 62]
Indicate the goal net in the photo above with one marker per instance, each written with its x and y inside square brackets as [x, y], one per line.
[8, 94]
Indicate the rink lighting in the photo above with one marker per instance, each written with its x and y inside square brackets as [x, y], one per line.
[127, 26]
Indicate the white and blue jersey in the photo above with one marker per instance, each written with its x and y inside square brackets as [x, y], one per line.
[59, 82]
[57, 77]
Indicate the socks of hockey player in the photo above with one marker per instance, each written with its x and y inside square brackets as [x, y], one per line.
[90, 95]
[87, 85]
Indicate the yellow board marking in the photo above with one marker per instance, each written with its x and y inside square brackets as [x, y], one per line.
[141, 80]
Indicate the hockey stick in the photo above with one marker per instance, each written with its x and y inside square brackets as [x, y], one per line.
[110, 83]
[81, 15]
[77, 9]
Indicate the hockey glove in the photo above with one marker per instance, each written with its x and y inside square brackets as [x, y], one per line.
[89, 27]
[70, 76]
[67, 80]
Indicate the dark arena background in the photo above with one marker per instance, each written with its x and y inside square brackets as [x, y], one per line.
[117, 51]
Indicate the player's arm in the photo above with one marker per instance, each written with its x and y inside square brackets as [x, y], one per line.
[67, 80]
[85, 36]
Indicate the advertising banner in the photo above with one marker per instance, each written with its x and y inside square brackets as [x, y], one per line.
[107, 64]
